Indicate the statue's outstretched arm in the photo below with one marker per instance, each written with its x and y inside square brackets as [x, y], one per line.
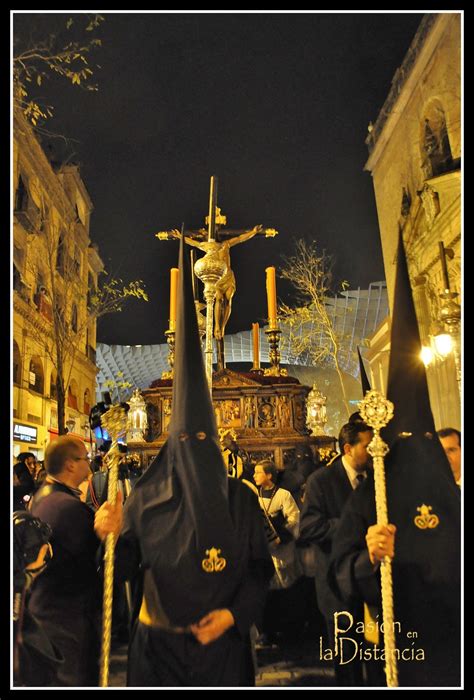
[245, 236]
[269, 233]
[174, 233]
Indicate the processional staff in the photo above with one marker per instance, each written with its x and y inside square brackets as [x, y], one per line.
[377, 411]
[115, 422]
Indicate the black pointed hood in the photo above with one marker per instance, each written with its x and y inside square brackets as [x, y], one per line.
[364, 380]
[180, 506]
[407, 386]
[192, 409]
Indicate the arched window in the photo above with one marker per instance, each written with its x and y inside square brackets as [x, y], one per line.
[72, 392]
[74, 318]
[436, 149]
[53, 391]
[36, 375]
[16, 363]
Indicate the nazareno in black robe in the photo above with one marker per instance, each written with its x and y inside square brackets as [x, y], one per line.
[196, 535]
[427, 564]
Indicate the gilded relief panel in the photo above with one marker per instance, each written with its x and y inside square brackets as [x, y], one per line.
[266, 412]
[228, 413]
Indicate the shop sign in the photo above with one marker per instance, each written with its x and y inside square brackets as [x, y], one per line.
[24, 433]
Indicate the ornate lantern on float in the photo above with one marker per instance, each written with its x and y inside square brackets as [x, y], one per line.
[316, 417]
[137, 417]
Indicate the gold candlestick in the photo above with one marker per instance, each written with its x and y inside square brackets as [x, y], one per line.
[273, 335]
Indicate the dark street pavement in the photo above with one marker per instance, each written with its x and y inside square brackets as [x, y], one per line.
[293, 664]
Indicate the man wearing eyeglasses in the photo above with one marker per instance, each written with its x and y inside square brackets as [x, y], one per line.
[66, 598]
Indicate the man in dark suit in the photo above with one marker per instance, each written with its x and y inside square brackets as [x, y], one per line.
[65, 599]
[327, 491]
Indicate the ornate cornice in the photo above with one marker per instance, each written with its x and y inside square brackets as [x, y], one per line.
[400, 78]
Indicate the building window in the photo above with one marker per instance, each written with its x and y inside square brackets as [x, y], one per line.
[17, 282]
[36, 375]
[74, 318]
[436, 149]
[21, 196]
[72, 395]
[16, 363]
[91, 291]
[26, 211]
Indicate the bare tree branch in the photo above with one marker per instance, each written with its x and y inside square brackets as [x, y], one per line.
[310, 273]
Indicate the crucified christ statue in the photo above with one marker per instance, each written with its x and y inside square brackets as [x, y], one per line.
[226, 286]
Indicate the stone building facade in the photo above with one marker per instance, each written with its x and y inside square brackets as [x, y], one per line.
[415, 162]
[54, 262]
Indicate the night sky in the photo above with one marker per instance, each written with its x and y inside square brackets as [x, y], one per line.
[275, 105]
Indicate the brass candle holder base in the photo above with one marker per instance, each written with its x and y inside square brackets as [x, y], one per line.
[273, 335]
[170, 340]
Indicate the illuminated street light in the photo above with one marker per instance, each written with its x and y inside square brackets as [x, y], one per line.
[445, 332]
